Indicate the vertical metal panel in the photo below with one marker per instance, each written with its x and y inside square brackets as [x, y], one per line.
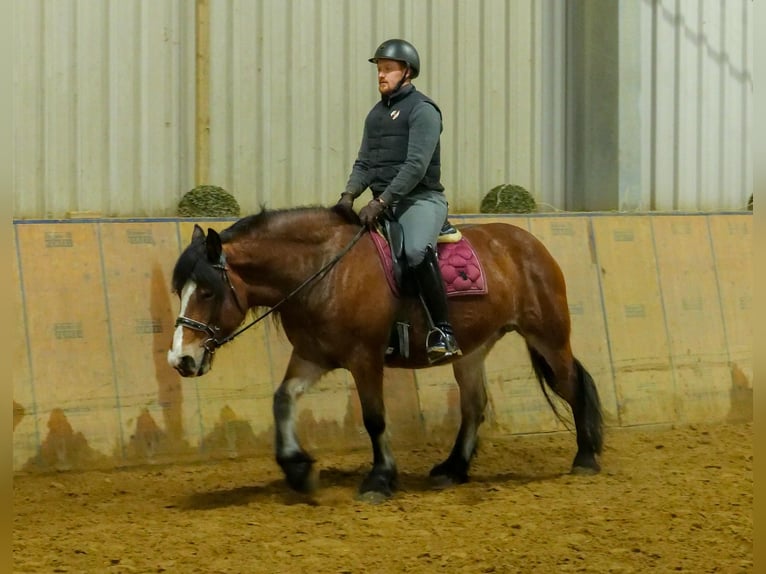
[551, 73]
[102, 106]
[27, 101]
[159, 103]
[689, 112]
[633, 109]
[493, 103]
[711, 74]
[701, 89]
[466, 113]
[665, 106]
[124, 77]
[90, 113]
[522, 141]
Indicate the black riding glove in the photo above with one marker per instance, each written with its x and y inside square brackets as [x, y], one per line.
[346, 201]
[370, 212]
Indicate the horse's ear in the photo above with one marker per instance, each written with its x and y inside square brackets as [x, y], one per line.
[213, 243]
[197, 234]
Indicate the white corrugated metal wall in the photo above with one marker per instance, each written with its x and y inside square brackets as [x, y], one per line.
[701, 63]
[101, 106]
[292, 85]
[103, 95]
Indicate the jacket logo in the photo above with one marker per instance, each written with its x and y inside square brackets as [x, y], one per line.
[394, 114]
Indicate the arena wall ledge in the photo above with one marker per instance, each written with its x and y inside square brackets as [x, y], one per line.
[661, 309]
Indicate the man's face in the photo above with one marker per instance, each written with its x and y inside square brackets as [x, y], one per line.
[389, 74]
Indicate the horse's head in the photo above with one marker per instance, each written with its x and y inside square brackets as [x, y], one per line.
[210, 308]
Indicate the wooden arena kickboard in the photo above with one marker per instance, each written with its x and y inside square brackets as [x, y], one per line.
[570, 242]
[439, 401]
[516, 400]
[138, 262]
[693, 316]
[517, 404]
[26, 429]
[635, 322]
[70, 344]
[732, 240]
[328, 415]
[404, 418]
[81, 351]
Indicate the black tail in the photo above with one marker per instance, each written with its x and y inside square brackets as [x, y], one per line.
[544, 374]
[590, 421]
[590, 407]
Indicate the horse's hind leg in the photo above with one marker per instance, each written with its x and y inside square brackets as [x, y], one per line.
[296, 463]
[469, 375]
[571, 381]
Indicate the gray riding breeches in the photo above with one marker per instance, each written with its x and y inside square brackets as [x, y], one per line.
[421, 215]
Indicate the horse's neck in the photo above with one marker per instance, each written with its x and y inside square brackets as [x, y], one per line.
[272, 266]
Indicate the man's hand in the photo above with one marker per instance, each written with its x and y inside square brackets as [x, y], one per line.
[345, 207]
[370, 212]
[346, 201]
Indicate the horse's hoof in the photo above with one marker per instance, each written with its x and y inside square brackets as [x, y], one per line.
[585, 465]
[448, 473]
[372, 497]
[443, 481]
[304, 481]
[584, 470]
[378, 484]
[300, 474]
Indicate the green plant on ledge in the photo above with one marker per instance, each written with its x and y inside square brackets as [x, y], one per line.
[208, 201]
[508, 198]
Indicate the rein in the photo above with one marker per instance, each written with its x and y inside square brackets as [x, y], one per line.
[214, 342]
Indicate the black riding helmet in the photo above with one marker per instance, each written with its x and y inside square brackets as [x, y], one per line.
[399, 50]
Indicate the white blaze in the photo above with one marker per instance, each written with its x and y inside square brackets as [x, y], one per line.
[177, 350]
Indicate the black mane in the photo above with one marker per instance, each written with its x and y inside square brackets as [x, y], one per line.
[266, 216]
[193, 264]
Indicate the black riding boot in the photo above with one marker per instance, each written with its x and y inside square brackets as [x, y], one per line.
[440, 342]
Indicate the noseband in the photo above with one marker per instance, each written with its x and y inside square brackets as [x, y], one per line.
[213, 342]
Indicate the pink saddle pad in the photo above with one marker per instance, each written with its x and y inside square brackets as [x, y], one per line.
[459, 264]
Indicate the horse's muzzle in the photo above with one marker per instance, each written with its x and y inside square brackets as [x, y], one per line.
[186, 367]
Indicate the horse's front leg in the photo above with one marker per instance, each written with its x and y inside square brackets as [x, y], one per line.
[296, 463]
[469, 374]
[380, 482]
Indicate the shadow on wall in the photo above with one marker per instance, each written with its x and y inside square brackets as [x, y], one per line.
[169, 388]
[741, 396]
[150, 442]
[233, 436]
[18, 414]
[64, 449]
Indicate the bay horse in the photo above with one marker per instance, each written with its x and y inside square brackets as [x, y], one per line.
[318, 270]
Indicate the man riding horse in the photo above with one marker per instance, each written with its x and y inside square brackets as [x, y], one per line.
[279, 259]
[399, 160]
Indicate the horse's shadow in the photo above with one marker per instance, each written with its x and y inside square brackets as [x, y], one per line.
[278, 491]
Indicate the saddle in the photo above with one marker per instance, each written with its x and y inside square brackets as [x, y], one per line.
[459, 264]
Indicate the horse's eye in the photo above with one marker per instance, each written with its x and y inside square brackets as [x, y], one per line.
[205, 294]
